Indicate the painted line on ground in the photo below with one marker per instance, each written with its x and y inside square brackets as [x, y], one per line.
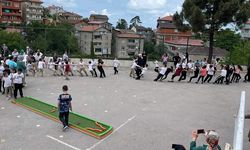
[59, 141]
[96, 144]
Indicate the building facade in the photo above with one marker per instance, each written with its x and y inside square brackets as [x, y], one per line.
[55, 10]
[167, 31]
[32, 10]
[100, 20]
[70, 17]
[99, 37]
[245, 30]
[10, 11]
[127, 44]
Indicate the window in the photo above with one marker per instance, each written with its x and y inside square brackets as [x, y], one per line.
[6, 3]
[97, 43]
[97, 37]
[131, 46]
[98, 50]
[131, 40]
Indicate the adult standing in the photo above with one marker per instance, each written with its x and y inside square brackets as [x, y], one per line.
[5, 50]
[65, 56]
[11, 63]
[176, 59]
[15, 53]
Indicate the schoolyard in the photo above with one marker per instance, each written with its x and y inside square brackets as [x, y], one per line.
[146, 115]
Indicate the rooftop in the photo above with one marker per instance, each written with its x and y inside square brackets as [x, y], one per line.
[205, 50]
[90, 28]
[129, 35]
[166, 18]
[191, 42]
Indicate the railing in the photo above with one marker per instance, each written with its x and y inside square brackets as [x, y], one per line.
[239, 124]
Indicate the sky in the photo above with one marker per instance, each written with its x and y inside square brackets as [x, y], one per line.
[148, 10]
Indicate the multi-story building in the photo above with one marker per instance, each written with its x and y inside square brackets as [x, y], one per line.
[100, 37]
[32, 10]
[10, 11]
[127, 43]
[245, 30]
[70, 17]
[55, 10]
[100, 20]
[167, 31]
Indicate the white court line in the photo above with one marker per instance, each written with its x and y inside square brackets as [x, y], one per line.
[96, 144]
[59, 141]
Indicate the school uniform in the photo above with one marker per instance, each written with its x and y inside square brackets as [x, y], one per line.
[222, 76]
[210, 74]
[161, 73]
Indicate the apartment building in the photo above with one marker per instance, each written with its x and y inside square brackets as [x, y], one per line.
[32, 10]
[10, 11]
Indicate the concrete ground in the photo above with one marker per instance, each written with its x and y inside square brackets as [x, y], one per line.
[145, 114]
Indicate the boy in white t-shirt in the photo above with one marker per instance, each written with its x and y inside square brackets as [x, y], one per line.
[132, 71]
[41, 66]
[7, 85]
[116, 64]
[81, 66]
[144, 70]
[51, 66]
[90, 67]
[18, 83]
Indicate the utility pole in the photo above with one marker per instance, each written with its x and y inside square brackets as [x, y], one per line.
[187, 56]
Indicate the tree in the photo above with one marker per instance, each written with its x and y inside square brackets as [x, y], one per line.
[122, 24]
[12, 40]
[208, 16]
[227, 39]
[240, 54]
[135, 21]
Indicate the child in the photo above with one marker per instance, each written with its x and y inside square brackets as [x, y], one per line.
[162, 72]
[247, 76]
[157, 66]
[167, 72]
[61, 67]
[41, 66]
[210, 74]
[67, 70]
[7, 85]
[144, 70]
[81, 65]
[203, 73]
[196, 73]
[177, 73]
[18, 83]
[132, 71]
[94, 66]
[116, 64]
[90, 67]
[51, 65]
[183, 73]
[64, 105]
[74, 68]
[1, 75]
[222, 76]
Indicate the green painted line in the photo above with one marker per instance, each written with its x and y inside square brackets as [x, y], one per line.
[79, 121]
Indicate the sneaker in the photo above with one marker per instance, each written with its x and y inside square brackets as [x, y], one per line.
[65, 128]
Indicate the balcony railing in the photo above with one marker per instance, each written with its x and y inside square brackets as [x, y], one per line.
[11, 7]
[11, 14]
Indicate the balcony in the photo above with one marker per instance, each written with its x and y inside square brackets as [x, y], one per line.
[5, 20]
[132, 43]
[11, 14]
[11, 7]
[36, 6]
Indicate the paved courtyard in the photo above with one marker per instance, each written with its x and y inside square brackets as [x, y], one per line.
[146, 115]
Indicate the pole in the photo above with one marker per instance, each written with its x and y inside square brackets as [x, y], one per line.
[187, 49]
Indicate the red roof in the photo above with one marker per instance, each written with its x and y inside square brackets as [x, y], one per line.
[166, 18]
[191, 42]
[90, 28]
[128, 35]
[96, 22]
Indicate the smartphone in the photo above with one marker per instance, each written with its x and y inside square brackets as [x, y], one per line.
[200, 131]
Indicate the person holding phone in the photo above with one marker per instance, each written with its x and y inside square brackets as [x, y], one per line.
[212, 139]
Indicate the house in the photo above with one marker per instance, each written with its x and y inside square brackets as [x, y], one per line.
[100, 20]
[245, 30]
[146, 32]
[127, 43]
[55, 10]
[32, 10]
[199, 53]
[182, 43]
[100, 37]
[10, 12]
[70, 17]
[167, 31]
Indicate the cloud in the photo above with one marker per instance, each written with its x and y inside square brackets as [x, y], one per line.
[102, 12]
[64, 3]
[146, 4]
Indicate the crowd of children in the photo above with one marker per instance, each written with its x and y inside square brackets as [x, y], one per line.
[14, 68]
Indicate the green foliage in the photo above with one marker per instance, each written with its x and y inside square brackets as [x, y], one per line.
[51, 38]
[227, 39]
[122, 24]
[240, 54]
[154, 51]
[135, 21]
[12, 40]
[208, 16]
